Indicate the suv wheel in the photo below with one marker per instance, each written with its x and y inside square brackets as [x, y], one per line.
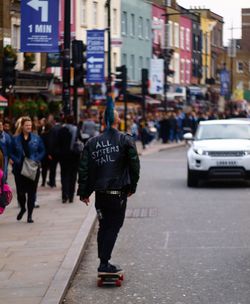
[192, 179]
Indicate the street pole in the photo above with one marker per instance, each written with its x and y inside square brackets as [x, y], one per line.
[108, 5]
[166, 65]
[66, 59]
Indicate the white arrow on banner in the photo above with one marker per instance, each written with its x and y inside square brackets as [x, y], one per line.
[93, 59]
[36, 4]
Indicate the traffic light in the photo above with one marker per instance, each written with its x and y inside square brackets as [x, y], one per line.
[78, 59]
[168, 57]
[9, 72]
[144, 81]
[121, 78]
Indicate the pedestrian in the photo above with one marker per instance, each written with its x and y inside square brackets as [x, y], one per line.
[5, 144]
[109, 166]
[45, 164]
[54, 150]
[26, 145]
[69, 159]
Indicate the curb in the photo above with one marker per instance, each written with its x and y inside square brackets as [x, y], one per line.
[60, 283]
[161, 148]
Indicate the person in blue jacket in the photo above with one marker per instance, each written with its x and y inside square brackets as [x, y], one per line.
[5, 145]
[30, 145]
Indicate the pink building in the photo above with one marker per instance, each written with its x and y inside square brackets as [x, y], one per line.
[185, 50]
[158, 29]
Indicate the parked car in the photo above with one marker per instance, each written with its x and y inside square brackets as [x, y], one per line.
[219, 149]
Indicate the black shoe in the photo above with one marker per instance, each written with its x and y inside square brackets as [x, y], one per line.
[20, 214]
[43, 185]
[51, 185]
[37, 206]
[29, 220]
[109, 268]
[71, 200]
[64, 200]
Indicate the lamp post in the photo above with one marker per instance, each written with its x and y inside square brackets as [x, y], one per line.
[108, 6]
[66, 59]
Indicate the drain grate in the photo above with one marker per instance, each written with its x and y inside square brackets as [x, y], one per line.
[141, 212]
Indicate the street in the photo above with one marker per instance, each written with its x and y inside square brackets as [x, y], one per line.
[178, 245]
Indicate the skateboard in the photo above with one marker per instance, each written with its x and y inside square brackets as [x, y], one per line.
[104, 278]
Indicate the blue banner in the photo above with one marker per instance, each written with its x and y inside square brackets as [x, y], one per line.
[95, 56]
[39, 26]
[224, 82]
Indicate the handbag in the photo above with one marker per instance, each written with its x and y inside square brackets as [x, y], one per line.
[29, 168]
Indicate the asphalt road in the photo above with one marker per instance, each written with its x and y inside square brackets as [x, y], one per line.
[178, 245]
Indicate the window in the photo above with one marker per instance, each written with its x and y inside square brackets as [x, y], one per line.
[148, 29]
[182, 70]
[140, 27]
[140, 67]
[83, 15]
[239, 66]
[132, 25]
[124, 59]
[95, 13]
[115, 21]
[187, 71]
[114, 60]
[170, 33]
[124, 23]
[176, 35]
[182, 38]
[16, 36]
[132, 66]
[188, 39]
[168, 2]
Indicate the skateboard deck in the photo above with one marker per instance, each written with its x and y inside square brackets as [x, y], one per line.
[104, 278]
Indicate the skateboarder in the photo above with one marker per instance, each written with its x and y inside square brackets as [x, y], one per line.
[109, 166]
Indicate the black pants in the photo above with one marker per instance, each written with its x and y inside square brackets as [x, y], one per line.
[112, 208]
[26, 192]
[69, 169]
[52, 170]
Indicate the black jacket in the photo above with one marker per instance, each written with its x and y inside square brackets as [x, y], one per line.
[109, 162]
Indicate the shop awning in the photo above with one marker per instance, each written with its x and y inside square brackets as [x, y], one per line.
[3, 102]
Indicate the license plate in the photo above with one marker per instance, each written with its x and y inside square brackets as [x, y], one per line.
[226, 163]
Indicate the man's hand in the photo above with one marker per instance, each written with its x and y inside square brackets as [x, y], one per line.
[85, 200]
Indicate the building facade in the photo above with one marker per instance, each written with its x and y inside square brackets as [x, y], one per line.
[94, 15]
[136, 51]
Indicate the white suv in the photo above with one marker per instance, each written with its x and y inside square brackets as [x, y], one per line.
[220, 149]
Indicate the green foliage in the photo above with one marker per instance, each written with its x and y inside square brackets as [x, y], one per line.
[55, 107]
[8, 51]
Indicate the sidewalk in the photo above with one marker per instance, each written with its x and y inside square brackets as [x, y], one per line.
[38, 260]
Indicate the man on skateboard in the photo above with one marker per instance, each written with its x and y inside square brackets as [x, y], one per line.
[109, 166]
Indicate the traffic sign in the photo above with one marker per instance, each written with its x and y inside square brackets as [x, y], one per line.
[95, 56]
[39, 26]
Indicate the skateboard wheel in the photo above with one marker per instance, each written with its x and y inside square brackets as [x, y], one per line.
[118, 283]
[99, 283]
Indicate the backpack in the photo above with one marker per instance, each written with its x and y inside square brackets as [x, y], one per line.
[5, 193]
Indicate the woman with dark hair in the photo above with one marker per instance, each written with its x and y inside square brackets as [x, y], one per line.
[29, 145]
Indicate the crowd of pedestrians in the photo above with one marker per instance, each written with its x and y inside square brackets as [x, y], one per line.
[55, 141]
[45, 142]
